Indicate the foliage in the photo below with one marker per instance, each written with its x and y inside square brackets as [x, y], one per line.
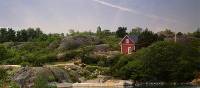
[41, 82]
[4, 53]
[121, 32]
[136, 31]
[98, 31]
[112, 40]
[28, 54]
[167, 33]
[162, 61]
[197, 33]
[3, 74]
[25, 35]
[122, 60]
[25, 64]
[195, 42]
[146, 38]
[5, 79]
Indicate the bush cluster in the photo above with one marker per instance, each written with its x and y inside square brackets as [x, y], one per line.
[162, 61]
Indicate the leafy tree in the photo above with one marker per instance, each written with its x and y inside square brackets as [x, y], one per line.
[38, 32]
[19, 36]
[166, 34]
[106, 33]
[3, 35]
[31, 33]
[11, 35]
[98, 31]
[121, 32]
[179, 34]
[72, 32]
[22, 36]
[146, 38]
[197, 33]
[136, 31]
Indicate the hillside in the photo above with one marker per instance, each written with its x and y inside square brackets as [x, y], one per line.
[86, 55]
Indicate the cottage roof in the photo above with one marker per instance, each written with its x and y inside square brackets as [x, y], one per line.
[133, 38]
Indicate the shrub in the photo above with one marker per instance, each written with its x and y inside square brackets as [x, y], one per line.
[162, 61]
[41, 82]
[25, 64]
[4, 54]
[123, 60]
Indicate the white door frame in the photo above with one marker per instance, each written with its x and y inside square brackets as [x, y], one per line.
[129, 50]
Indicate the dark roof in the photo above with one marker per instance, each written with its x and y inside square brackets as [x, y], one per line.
[133, 38]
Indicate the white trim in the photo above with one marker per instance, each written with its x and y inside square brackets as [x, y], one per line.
[121, 49]
[123, 39]
[128, 38]
[129, 50]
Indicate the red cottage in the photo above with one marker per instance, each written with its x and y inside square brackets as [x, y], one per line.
[128, 44]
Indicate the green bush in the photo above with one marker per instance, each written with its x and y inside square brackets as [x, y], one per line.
[89, 60]
[162, 61]
[13, 85]
[41, 82]
[4, 53]
[123, 60]
[25, 64]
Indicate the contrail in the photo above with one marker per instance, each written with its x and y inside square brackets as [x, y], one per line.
[116, 6]
[152, 16]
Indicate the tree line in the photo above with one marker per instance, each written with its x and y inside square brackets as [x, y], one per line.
[25, 35]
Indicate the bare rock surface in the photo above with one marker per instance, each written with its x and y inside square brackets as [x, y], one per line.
[71, 42]
[25, 76]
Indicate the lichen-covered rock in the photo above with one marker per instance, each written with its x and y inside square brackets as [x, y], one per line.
[26, 76]
[102, 48]
[72, 42]
[54, 45]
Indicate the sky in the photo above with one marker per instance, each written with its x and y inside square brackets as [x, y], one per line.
[59, 16]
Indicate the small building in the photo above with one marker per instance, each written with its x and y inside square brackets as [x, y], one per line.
[128, 44]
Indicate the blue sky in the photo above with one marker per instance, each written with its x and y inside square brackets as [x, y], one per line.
[62, 15]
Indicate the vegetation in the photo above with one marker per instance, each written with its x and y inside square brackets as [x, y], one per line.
[121, 32]
[5, 81]
[156, 59]
[41, 82]
[162, 61]
[147, 37]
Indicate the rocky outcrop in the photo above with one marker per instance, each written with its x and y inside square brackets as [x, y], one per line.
[102, 48]
[26, 76]
[72, 42]
[196, 81]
